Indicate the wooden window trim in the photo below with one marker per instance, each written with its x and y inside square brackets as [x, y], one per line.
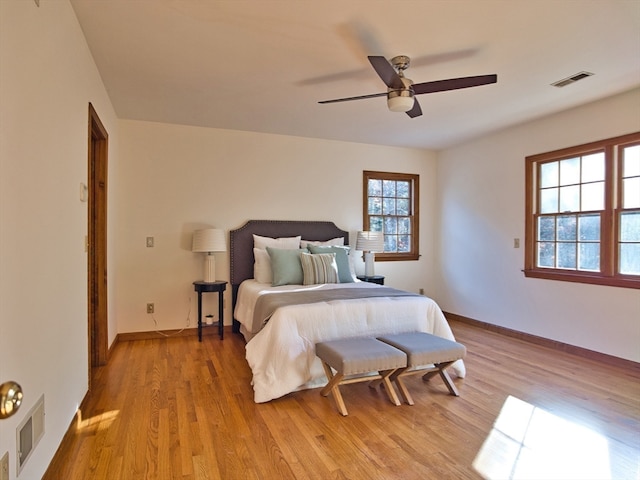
[414, 179]
[609, 250]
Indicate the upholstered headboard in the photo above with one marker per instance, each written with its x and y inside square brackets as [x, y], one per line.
[241, 243]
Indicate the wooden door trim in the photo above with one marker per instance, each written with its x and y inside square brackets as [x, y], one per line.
[97, 241]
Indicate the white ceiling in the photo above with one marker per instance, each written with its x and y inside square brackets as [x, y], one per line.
[262, 65]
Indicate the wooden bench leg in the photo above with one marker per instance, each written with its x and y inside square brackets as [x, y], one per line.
[386, 381]
[404, 391]
[440, 369]
[447, 381]
[391, 392]
[333, 387]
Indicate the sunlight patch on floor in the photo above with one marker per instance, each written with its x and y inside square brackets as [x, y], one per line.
[527, 442]
[97, 422]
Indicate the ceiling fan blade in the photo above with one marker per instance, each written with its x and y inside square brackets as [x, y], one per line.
[453, 84]
[348, 99]
[386, 72]
[416, 111]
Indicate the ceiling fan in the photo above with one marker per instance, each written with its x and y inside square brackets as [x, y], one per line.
[401, 90]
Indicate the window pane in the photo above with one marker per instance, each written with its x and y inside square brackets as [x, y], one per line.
[589, 228]
[589, 257]
[549, 175]
[375, 205]
[570, 171]
[404, 225]
[402, 206]
[570, 199]
[593, 167]
[547, 228]
[403, 189]
[390, 243]
[567, 228]
[546, 254]
[630, 258]
[567, 255]
[375, 188]
[388, 206]
[631, 192]
[592, 196]
[375, 224]
[549, 200]
[390, 225]
[403, 243]
[631, 166]
[630, 227]
[388, 188]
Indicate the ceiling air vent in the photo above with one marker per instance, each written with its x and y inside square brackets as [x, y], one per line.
[572, 79]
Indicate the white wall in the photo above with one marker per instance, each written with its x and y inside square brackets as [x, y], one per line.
[481, 207]
[47, 79]
[175, 179]
[166, 180]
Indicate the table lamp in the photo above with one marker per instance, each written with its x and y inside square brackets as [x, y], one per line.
[369, 243]
[209, 240]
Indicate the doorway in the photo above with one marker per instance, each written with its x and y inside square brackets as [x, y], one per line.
[97, 243]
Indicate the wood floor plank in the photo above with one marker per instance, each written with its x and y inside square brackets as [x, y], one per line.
[175, 408]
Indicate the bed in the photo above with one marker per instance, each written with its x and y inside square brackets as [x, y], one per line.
[281, 324]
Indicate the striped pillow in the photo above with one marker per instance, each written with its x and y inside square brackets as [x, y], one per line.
[319, 268]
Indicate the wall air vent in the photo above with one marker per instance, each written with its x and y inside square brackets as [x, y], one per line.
[29, 432]
[572, 79]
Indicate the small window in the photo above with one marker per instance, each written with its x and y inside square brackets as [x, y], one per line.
[391, 206]
[583, 213]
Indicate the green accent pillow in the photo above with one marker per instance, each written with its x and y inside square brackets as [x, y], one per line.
[286, 266]
[342, 260]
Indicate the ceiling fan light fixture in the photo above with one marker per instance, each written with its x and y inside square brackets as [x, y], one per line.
[400, 103]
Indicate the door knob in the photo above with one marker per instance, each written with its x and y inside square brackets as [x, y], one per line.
[10, 399]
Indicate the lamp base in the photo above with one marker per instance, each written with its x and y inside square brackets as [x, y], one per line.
[369, 262]
[210, 268]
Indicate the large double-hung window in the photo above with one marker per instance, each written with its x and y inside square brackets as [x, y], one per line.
[390, 205]
[583, 213]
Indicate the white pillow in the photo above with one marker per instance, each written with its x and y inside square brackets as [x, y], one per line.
[282, 242]
[334, 241]
[262, 266]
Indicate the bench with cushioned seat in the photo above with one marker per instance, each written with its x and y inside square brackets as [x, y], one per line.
[354, 359]
[423, 349]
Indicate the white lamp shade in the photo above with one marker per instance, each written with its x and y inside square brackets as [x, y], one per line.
[370, 242]
[209, 240]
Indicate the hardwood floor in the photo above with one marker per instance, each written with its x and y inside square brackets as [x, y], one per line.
[178, 409]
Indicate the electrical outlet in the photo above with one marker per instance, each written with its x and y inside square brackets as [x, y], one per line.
[516, 243]
[151, 308]
[149, 242]
[4, 467]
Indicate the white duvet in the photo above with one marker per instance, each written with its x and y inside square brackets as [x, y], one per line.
[282, 354]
